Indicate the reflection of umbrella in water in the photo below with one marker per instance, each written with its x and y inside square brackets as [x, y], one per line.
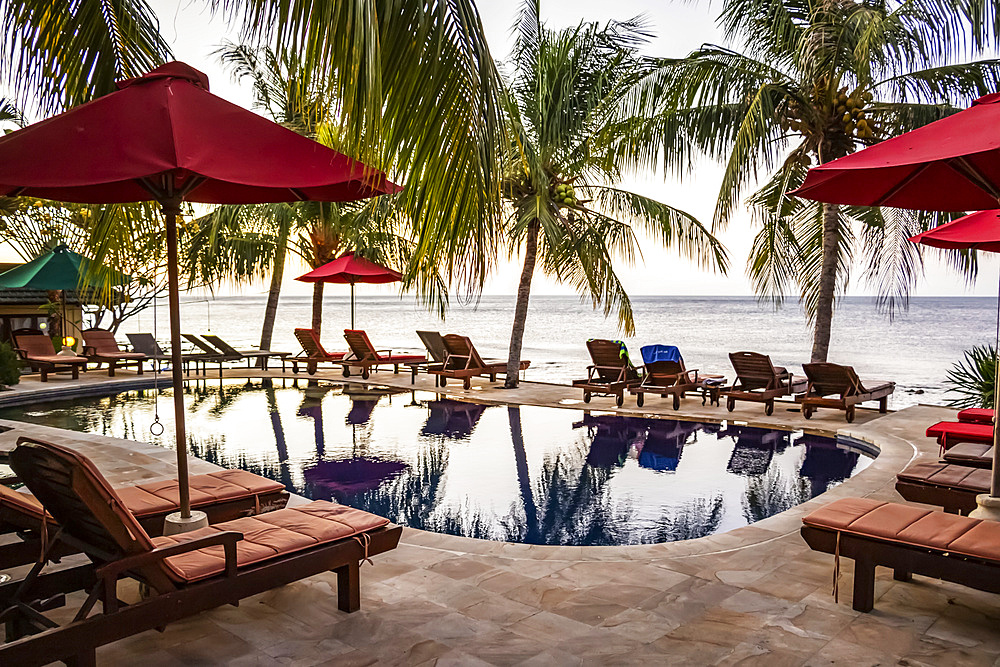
[754, 448]
[825, 462]
[664, 443]
[352, 476]
[455, 419]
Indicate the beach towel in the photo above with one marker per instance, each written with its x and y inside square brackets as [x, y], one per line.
[654, 353]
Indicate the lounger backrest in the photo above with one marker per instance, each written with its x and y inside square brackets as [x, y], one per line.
[310, 344]
[90, 513]
[610, 356]
[222, 345]
[35, 344]
[660, 369]
[460, 352]
[100, 340]
[361, 347]
[434, 343]
[146, 343]
[826, 379]
[201, 345]
[754, 370]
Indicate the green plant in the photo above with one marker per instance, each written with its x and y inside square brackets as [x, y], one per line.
[974, 378]
[10, 365]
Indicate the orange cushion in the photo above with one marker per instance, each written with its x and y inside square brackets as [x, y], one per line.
[949, 475]
[270, 535]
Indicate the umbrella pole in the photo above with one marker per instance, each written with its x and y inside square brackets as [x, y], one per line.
[995, 482]
[352, 305]
[171, 208]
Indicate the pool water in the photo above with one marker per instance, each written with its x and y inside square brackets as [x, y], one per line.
[528, 474]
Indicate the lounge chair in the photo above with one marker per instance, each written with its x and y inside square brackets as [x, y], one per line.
[463, 362]
[36, 350]
[976, 415]
[760, 381]
[223, 496]
[146, 343]
[952, 433]
[911, 540]
[232, 354]
[313, 352]
[665, 375]
[949, 486]
[977, 455]
[185, 574]
[826, 380]
[100, 346]
[366, 357]
[612, 372]
[437, 354]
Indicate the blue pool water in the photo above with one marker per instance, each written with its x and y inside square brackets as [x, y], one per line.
[535, 475]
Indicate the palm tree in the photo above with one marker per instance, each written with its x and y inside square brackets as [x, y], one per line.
[814, 82]
[558, 165]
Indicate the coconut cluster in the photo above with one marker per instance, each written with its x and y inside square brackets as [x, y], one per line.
[563, 193]
[851, 111]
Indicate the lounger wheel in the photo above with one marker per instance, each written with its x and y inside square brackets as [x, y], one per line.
[677, 401]
[365, 374]
[586, 397]
[639, 400]
[850, 414]
[347, 372]
[807, 412]
[769, 408]
[620, 399]
[730, 404]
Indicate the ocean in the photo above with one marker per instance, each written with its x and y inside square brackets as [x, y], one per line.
[915, 349]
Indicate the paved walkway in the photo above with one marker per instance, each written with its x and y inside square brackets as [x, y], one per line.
[752, 595]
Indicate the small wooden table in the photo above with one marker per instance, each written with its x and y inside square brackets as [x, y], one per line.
[710, 391]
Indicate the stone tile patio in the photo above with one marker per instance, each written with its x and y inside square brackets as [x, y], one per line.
[753, 595]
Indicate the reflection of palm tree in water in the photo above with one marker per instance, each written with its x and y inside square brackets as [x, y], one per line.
[772, 493]
[698, 518]
[279, 434]
[531, 534]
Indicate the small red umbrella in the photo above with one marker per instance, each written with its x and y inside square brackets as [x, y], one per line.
[164, 137]
[976, 231]
[949, 165]
[349, 268]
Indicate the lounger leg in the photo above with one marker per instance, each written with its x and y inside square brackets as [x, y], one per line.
[901, 575]
[76, 372]
[86, 658]
[864, 585]
[883, 404]
[111, 368]
[349, 587]
[45, 376]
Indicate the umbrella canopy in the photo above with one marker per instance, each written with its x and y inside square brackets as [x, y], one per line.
[976, 231]
[164, 137]
[950, 165]
[351, 269]
[57, 269]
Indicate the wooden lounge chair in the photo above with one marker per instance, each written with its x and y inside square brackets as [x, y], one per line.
[232, 354]
[463, 362]
[911, 540]
[146, 343]
[611, 373]
[949, 434]
[826, 379]
[185, 574]
[760, 381]
[366, 357]
[949, 486]
[977, 455]
[100, 346]
[976, 415]
[313, 352]
[437, 353]
[223, 496]
[666, 377]
[36, 350]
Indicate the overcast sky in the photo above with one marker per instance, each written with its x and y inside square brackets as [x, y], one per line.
[679, 27]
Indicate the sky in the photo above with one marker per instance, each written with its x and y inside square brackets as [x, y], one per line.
[678, 27]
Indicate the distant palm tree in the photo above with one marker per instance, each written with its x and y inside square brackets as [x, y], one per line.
[815, 81]
[559, 176]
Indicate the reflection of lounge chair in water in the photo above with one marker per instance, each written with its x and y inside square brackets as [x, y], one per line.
[456, 419]
[610, 439]
[340, 479]
[664, 443]
[754, 448]
[825, 462]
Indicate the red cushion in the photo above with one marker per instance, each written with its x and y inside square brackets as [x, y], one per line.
[952, 432]
[976, 415]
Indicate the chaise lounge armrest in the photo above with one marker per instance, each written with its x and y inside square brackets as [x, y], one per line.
[228, 539]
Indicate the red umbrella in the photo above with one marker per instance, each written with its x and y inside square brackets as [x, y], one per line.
[163, 137]
[950, 165]
[349, 268]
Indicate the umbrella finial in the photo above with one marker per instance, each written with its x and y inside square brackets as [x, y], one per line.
[171, 70]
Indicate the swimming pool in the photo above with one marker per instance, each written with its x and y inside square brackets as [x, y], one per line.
[529, 474]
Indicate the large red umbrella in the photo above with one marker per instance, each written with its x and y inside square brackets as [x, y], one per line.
[164, 137]
[949, 165]
[349, 268]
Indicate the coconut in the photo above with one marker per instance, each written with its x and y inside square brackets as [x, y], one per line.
[846, 118]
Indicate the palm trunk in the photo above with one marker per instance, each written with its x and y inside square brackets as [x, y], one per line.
[317, 310]
[271, 310]
[521, 308]
[827, 283]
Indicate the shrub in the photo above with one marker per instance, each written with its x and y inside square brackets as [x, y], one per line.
[974, 378]
[10, 365]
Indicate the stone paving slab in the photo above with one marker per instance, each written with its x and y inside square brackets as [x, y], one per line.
[756, 594]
